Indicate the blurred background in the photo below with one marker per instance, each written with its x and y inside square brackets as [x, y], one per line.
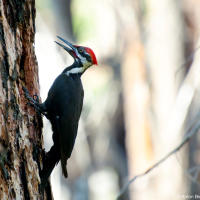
[139, 101]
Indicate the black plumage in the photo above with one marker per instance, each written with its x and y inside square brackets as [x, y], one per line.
[64, 118]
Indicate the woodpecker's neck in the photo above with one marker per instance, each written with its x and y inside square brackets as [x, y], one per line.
[75, 69]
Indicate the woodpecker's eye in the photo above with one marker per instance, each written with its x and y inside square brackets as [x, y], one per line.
[80, 51]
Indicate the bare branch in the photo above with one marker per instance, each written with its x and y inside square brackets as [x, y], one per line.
[189, 59]
[191, 131]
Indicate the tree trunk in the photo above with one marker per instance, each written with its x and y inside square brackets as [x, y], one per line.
[165, 54]
[62, 10]
[20, 127]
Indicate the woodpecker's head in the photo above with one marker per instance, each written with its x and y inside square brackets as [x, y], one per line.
[84, 57]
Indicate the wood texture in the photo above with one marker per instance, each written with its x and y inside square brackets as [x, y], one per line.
[20, 127]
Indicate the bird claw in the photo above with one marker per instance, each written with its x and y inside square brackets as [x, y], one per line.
[36, 98]
[28, 96]
[34, 102]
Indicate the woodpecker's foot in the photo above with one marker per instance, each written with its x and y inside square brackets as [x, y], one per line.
[36, 98]
[34, 102]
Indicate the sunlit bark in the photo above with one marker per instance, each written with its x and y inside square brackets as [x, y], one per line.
[20, 127]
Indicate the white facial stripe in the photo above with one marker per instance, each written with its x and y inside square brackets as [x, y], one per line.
[78, 70]
[75, 71]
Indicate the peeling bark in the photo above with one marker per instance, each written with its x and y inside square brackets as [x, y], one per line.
[20, 127]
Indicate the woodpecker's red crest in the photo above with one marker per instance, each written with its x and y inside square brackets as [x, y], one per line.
[81, 54]
[90, 52]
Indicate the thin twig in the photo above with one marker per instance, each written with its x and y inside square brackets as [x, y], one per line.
[189, 58]
[191, 131]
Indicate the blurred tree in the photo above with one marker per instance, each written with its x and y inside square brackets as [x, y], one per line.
[191, 10]
[136, 98]
[161, 41]
[63, 18]
[20, 127]
[165, 53]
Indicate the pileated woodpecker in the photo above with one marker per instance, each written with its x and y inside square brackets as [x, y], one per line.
[63, 107]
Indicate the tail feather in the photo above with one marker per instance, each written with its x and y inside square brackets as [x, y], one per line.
[51, 159]
[64, 167]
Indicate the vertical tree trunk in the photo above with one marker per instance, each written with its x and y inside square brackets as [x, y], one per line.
[156, 40]
[165, 53]
[20, 127]
[136, 103]
[63, 18]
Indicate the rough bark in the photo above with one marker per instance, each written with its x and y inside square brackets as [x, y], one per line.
[20, 126]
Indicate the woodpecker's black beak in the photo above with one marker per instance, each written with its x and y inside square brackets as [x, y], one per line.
[73, 51]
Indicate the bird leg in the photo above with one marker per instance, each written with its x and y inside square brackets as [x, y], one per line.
[34, 102]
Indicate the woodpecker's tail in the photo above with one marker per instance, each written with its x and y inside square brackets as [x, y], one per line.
[51, 159]
[64, 166]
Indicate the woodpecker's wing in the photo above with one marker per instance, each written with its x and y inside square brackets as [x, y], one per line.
[67, 128]
[67, 139]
